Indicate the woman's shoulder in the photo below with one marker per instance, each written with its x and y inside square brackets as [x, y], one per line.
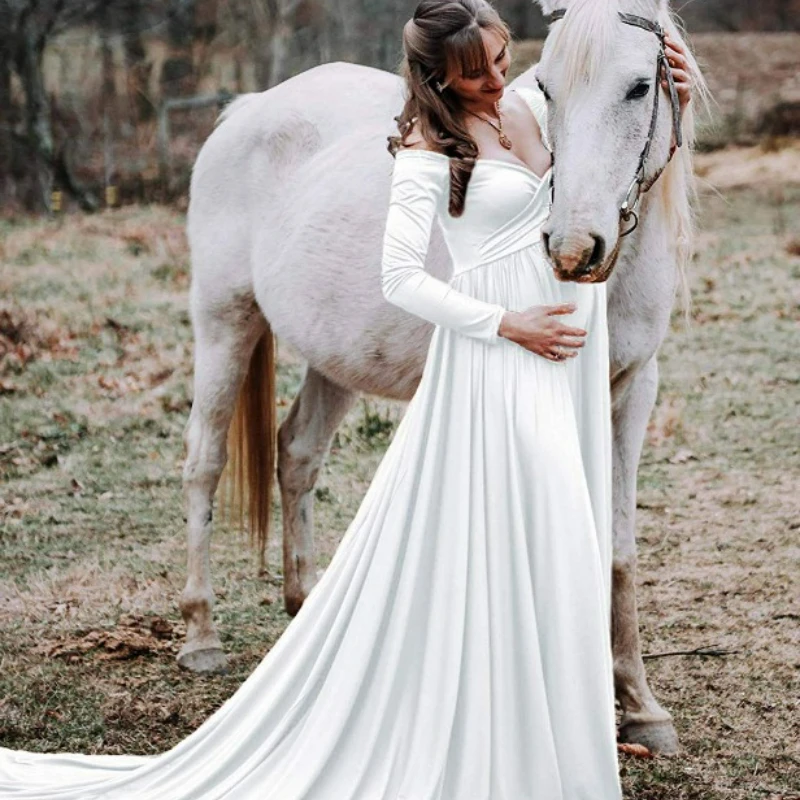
[534, 100]
[418, 173]
[531, 94]
[419, 157]
[423, 168]
[413, 141]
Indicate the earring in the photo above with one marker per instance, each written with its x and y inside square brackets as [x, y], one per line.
[439, 87]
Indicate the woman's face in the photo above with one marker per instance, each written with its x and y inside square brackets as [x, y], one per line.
[486, 86]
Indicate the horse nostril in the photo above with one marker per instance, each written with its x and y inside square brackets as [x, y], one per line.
[598, 252]
[546, 242]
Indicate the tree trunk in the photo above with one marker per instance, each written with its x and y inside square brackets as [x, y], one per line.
[37, 110]
[6, 126]
[137, 70]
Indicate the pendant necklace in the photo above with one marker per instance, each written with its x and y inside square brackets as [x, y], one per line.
[498, 126]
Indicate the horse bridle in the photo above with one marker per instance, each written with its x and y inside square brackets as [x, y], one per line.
[628, 208]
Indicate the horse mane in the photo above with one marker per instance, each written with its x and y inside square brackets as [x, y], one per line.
[677, 186]
[590, 27]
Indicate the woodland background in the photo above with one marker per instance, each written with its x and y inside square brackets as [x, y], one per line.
[93, 95]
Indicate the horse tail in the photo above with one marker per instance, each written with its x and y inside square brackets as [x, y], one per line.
[252, 446]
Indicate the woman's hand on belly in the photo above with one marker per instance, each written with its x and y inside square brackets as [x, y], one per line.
[539, 330]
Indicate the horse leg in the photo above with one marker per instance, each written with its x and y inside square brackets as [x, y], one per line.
[224, 341]
[303, 441]
[644, 721]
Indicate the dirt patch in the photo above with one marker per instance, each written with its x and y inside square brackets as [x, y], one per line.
[750, 167]
[132, 636]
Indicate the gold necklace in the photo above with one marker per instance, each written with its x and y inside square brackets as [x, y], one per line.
[498, 126]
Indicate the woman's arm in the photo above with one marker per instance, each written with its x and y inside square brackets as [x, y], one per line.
[418, 182]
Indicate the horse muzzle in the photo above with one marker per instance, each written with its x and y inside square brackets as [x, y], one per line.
[579, 259]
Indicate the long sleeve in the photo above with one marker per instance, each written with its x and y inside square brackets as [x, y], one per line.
[418, 181]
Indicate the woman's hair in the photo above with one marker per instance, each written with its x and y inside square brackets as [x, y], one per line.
[442, 40]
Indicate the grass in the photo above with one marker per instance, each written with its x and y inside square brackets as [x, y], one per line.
[94, 392]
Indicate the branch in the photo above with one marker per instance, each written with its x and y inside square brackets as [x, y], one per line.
[708, 650]
[65, 16]
[47, 28]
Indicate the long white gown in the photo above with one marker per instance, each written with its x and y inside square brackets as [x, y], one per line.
[457, 647]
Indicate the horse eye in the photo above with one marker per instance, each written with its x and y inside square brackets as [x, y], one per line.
[638, 91]
[543, 90]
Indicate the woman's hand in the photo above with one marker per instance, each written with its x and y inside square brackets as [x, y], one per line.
[679, 67]
[537, 329]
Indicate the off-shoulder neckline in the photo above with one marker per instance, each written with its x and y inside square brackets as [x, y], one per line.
[502, 161]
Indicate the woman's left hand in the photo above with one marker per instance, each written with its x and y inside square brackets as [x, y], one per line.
[676, 56]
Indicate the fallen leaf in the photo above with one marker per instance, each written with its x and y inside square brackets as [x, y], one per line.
[638, 750]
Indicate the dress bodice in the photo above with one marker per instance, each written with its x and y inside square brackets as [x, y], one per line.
[505, 205]
[504, 208]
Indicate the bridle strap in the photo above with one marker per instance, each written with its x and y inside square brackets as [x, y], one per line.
[654, 27]
[628, 207]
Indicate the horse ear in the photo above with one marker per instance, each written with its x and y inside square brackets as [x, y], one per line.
[549, 6]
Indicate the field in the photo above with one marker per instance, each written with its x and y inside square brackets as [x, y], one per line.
[95, 368]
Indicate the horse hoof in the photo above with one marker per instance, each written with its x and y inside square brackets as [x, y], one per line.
[293, 604]
[657, 737]
[208, 661]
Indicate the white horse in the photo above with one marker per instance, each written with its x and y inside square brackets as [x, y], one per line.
[289, 198]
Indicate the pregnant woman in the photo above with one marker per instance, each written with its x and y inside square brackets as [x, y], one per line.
[457, 646]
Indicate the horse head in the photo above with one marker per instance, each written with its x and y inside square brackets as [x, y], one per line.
[611, 125]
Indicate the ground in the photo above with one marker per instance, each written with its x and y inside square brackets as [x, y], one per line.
[95, 349]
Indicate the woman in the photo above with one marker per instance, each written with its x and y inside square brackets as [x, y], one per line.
[457, 646]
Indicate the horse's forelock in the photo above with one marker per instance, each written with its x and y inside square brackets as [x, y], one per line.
[585, 37]
[583, 40]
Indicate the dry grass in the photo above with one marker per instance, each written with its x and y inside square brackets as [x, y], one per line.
[91, 516]
[747, 167]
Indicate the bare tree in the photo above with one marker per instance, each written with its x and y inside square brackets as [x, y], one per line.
[27, 26]
[7, 109]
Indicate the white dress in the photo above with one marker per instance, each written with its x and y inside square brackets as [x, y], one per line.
[457, 647]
